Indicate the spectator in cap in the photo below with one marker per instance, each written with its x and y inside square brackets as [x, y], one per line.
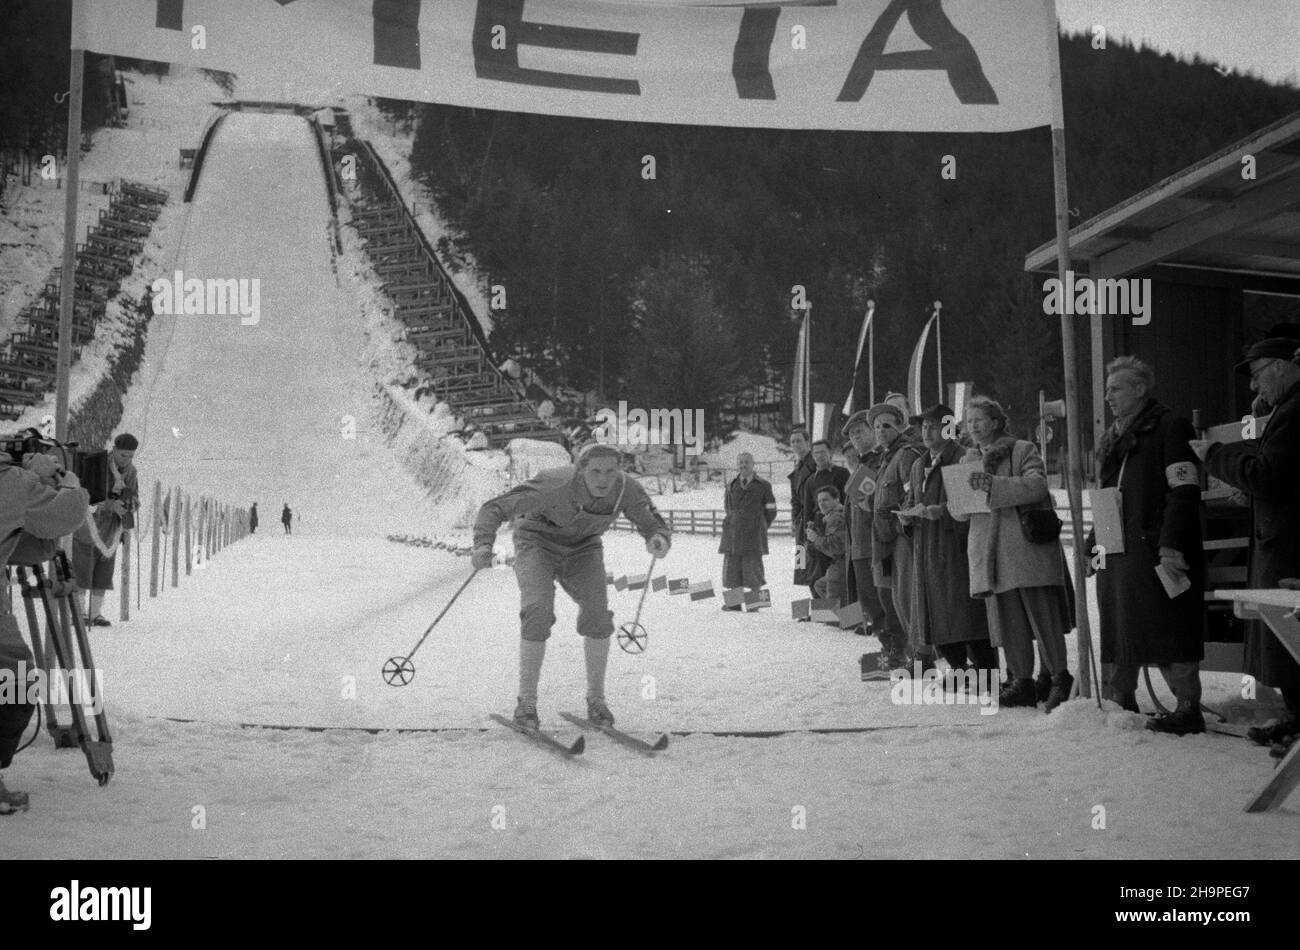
[95, 543]
[891, 579]
[857, 503]
[1268, 471]
[1279, 331]
[946, 616]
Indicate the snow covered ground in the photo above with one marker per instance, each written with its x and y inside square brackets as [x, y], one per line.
[292, 631]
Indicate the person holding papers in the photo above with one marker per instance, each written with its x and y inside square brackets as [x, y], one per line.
[1018, 571]
[1151, 577]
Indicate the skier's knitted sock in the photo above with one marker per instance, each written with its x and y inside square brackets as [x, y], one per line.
[96, 603]
[531, 654]
[597, 650]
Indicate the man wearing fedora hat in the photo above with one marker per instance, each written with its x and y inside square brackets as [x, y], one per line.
[1268, 471]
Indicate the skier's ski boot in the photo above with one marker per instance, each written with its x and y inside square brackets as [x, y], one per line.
[526, 714]
[11, 802]
[598, 712]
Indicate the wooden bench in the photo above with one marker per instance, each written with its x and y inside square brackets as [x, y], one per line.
[114, 223]
[135, 210]
[1279, 610]
[143, 192]
[126, 247]
[45, 329]
[436, 334]
[17, 369]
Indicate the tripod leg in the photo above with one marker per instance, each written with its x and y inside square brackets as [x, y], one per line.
[68, 592]
[65, 737]
[99, 754]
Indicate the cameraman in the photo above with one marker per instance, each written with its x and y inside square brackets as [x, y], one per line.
[94, 558]
[42, 502]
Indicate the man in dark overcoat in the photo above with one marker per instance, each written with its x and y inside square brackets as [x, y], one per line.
[1147, 454]
[802, 448]
[1268, 470]
[751, 509]
[946, 616]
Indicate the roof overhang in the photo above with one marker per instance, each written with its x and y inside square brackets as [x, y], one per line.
[1210, 216]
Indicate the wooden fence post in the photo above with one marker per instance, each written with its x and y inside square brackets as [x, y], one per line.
[189, 551]
[176, 537]
[157, 533]
[124, 612]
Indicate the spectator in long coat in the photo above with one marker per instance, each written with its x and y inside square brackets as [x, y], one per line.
[857, 504]
[827, 534]
[825, 473]
[802, 449]
[1023, 583]
[751, 509]
[945, 615]
[1148, 456]
[252, 519]
[1268, 470]
[891, 550]
[852, 463]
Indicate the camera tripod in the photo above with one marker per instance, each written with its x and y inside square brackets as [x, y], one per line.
[66, 636]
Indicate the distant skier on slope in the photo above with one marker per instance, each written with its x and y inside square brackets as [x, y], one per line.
[562, 514]
[286, 519]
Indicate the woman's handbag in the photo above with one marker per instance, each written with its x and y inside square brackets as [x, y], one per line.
[1040, 525]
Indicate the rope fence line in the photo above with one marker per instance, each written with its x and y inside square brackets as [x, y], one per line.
[709, 521]
[183, 527]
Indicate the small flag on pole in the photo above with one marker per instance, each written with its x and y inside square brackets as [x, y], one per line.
[702, 591]
[660, 582]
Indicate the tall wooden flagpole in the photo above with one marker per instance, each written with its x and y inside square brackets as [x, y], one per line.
[67, 282]
[871, 362]
[938, 348]
[1074, 473]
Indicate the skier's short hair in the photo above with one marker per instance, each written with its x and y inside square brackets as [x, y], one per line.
[595, 449]
[832, 490]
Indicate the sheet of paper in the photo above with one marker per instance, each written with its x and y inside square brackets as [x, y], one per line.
[1108, 519]
[1172, 587]
[962, 499]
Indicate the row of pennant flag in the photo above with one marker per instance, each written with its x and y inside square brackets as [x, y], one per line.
[818, 609]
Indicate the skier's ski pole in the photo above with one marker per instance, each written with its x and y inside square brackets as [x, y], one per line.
[399, 670]
[632, 636]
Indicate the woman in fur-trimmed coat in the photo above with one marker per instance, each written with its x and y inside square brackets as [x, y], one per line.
[1023, 583]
